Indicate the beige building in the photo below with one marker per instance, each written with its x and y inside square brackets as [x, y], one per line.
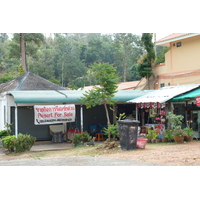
[182, 61]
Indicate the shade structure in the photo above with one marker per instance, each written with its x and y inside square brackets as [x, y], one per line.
[164, 94]
[67, 96]
[189, 95]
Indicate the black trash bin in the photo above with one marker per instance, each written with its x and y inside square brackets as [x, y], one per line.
[128, 133]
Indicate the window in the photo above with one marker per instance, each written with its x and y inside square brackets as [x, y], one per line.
[162, 85]
[178, 44]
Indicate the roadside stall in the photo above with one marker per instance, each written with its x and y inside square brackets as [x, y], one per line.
[153, 107]
[191, 102]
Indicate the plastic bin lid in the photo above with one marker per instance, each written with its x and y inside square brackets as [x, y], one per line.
[128, 121]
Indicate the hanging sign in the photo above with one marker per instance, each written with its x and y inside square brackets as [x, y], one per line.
[198, 101]
[151, 105]
[52, 114]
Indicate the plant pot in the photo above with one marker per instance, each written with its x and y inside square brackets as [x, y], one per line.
[164, 140]
[153, 140]
[178, 139]
[141, 143]
[149, 141]
[157, 140]
[188, 138]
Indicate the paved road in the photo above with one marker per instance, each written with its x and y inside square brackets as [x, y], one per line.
[75, 161]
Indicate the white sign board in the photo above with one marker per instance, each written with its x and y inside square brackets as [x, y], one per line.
[52, 114]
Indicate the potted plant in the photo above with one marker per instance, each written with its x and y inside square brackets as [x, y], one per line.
[168, 137]
[175, 122]
[189, 134]
[179, 135]
[149, 135]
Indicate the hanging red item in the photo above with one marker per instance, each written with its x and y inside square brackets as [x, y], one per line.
[198, 101]
[158, 105]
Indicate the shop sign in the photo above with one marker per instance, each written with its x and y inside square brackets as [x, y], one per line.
[52, 114]
[198, 101]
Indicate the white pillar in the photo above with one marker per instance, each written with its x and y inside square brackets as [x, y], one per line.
[81, 116]
[136, 112]
[16, 121]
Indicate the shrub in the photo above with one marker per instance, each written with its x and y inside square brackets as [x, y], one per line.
[111, 130]
[168, 134]
[189, 131]
[3, 133]
[81, 138]
[24, 142]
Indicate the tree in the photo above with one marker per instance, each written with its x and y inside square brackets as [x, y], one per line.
[68, 64]
[160, 58]
[128, 50]
[146, 62]
[28, 44]
[107, 78]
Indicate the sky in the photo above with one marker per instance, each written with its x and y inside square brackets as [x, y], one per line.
[159, 35]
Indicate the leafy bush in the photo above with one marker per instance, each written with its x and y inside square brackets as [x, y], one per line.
[175, 121]
[188, 131]
[168, 134]
[81, 138]
[24, 142]
[3, 133]
[179, 132]
[111, 130]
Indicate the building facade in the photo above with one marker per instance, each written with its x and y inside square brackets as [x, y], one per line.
[182, 61]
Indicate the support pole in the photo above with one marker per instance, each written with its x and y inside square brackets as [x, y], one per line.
[136, 112]
[81, 113]
[16, 121]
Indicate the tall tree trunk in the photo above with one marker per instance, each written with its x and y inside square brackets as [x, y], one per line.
[107, 116]
[125, 69]
[22, 51]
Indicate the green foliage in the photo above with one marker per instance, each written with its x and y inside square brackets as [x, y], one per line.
[152, 134]
[107, 78]
[111, 130]
[145, 63]
[178, 132]
[175, 121]
[3, 133]
[9, 128]
[21, 144]
[168, 134]
[128, 50]
[81, 138]
[149, 47]
[6, 77]
[21, 70]
[161, 54]
[189, 131]
[66, 57]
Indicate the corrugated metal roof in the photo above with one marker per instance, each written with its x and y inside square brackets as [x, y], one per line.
[66, 96]
[121, 86]
[164, 94]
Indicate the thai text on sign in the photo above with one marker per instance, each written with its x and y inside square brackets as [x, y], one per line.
[52, 114]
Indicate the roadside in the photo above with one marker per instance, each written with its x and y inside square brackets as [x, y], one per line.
[75, 161]
[186, 154]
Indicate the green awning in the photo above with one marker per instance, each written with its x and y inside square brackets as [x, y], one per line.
[45, 96]
[190, 95]
[67, 96]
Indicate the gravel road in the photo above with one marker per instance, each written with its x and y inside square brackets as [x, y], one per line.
[75, 161]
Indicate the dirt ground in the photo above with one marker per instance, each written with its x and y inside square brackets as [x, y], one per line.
[186, 154]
